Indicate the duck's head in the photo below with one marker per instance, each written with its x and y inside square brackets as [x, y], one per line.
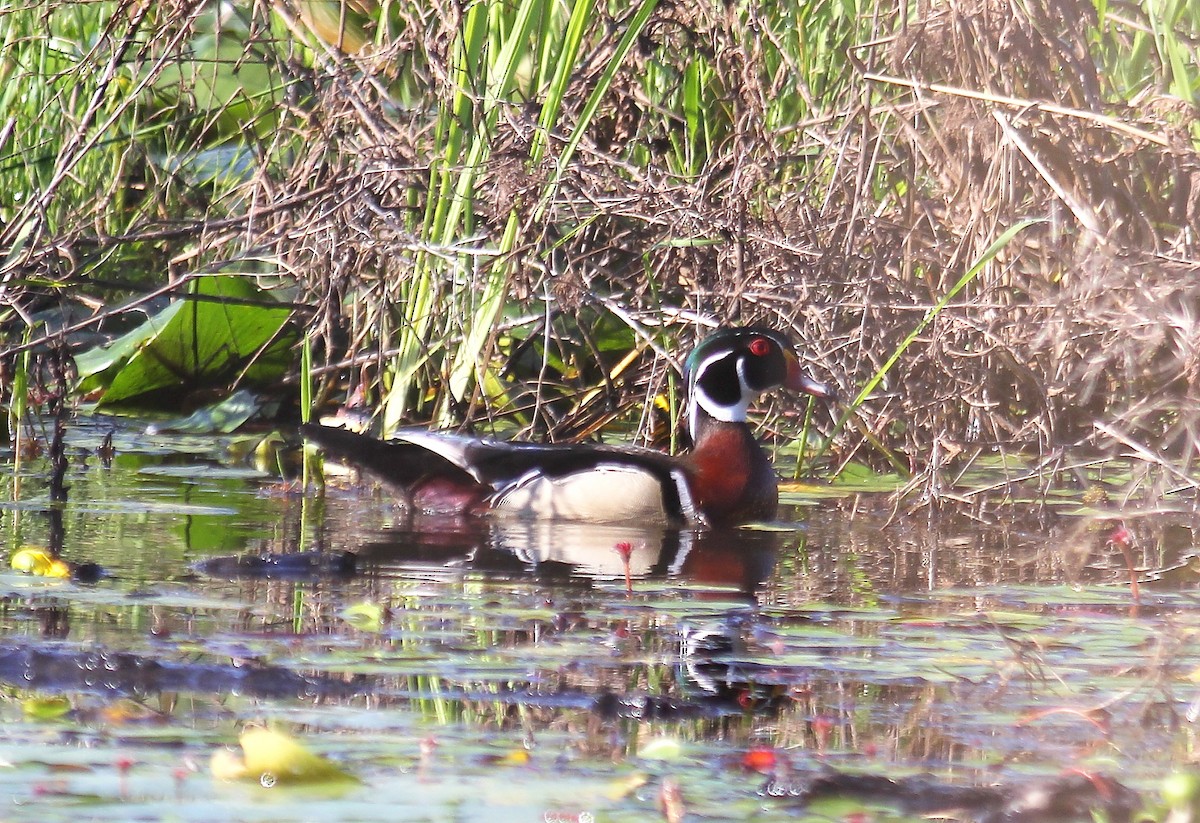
[733, 366]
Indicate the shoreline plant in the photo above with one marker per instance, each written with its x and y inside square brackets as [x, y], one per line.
[509, 216]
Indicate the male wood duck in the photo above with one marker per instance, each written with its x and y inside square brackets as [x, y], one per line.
[726, 478]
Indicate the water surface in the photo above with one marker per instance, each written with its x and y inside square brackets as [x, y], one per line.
[509, 671]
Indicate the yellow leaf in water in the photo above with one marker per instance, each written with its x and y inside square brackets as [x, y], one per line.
[45, 708]
[274, 757]
[226, 764]
[517, 757]
[365, 616]
[32, 560]
[661, 748]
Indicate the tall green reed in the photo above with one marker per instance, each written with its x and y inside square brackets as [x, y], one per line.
[504, 55]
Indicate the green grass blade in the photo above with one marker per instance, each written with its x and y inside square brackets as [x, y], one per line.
[581, 16]
[628, 40]
[988, 255]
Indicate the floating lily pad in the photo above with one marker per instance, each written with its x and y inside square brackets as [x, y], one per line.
[225, 416]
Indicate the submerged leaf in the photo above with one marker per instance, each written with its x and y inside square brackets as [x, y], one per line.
[661, 748]
[223, 417]
[1181, 789]
[365, 616]
[516, 757]
[45, 708]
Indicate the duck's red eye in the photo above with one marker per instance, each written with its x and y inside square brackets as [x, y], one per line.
[760, 346]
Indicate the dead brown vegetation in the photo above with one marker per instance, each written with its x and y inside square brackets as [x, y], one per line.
[955, 122]
[972, 117]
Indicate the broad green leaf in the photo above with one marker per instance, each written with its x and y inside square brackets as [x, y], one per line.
[98, 366]
[204, 344]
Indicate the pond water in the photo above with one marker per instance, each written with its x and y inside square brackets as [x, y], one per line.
[500, 671]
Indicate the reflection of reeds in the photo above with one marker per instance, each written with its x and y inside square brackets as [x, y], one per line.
[513, 211]
[866, 648]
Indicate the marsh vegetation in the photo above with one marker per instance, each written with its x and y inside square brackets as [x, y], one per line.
[979, 220]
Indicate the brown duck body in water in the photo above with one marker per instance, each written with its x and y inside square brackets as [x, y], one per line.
[724, 480]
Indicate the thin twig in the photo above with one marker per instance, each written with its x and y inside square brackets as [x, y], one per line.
[1023, 104]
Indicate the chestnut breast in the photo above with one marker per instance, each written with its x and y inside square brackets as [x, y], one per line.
[731, 479]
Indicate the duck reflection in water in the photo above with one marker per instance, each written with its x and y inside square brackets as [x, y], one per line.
[725, 559]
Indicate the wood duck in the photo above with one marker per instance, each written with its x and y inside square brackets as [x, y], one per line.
[726, 478]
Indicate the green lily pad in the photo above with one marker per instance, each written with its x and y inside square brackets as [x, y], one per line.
[225, 417]
[207, 341]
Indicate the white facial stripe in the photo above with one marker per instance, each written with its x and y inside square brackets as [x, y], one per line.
[745, 384]
[729, 414]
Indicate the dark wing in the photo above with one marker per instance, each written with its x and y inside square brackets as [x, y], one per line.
[395, 462]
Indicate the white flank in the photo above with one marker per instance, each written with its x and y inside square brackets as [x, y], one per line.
[608, 493]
